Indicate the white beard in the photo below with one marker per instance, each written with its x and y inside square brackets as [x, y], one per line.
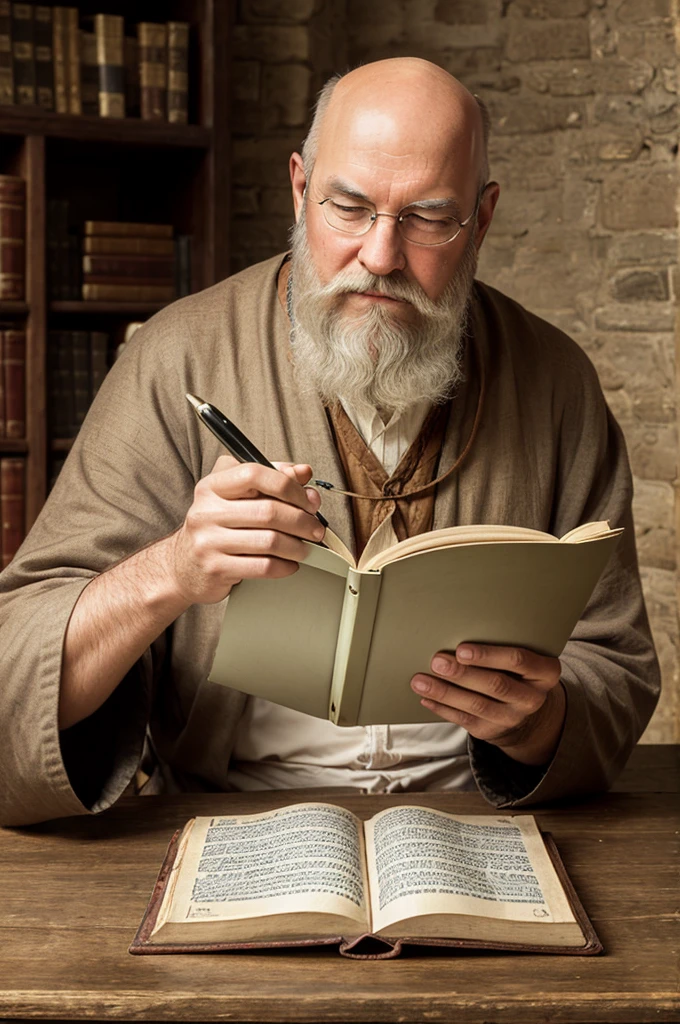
[377, 359]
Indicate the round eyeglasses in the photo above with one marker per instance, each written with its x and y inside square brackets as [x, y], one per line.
[418, 224]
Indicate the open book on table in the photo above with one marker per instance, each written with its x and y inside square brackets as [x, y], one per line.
[314, 874]
[342, 641]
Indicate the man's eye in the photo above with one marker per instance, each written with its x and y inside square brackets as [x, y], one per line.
[348, 212]
[425, 220]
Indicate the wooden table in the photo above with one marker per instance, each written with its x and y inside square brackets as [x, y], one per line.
[72, 893]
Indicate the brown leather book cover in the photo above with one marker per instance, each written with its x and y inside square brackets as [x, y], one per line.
[109, 31]
[59, 55]
[128, 293]
[73, 61]
[153, 70]
[367, 946]
[44, 63]
[12, 508]
[128, 267]
[12, 237]
[14, 383]
[129, 246]
[121, 228]
[23, 54]
[2, 388]
[132, 82]
[178, 72]
[6, 70]
[89, 74]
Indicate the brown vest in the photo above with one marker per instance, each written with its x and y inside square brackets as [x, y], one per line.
[366, 475]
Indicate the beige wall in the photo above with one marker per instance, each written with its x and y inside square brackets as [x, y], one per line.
[583, 102]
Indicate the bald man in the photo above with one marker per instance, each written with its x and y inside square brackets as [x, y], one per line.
[370, 353]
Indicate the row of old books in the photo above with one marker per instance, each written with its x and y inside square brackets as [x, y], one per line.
[77, 362]
[12, 237]
[115, 261]
[12, 384]
[58, 59]
[12, 507]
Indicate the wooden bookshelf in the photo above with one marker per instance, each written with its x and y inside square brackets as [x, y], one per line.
[118, 169]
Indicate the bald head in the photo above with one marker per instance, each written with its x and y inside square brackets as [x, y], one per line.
[401, 105]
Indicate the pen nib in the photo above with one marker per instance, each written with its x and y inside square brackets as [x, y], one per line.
[196, 402]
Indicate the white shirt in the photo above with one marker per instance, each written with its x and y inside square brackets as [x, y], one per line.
[277, 748]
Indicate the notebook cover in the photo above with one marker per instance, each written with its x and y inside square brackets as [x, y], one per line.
[375, 947]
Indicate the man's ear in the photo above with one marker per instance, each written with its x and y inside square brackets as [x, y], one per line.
[299, 182]
[486, 210]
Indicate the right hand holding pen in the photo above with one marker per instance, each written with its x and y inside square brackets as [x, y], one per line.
[246, 521]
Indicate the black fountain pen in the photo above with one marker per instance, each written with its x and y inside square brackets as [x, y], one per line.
[231, 437]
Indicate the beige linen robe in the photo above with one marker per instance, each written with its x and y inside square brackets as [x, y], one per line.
[548, 455]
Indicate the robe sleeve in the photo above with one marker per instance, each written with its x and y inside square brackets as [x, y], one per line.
[125, 484]
[610, 671]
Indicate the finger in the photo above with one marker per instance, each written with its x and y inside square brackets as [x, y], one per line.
[261, 543]
[480, 728]
[248, 479]
[257, 513]
[478, 702]
[498, 686]
[524, 663]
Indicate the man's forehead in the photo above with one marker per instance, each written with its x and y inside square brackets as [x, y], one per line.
[383, 144]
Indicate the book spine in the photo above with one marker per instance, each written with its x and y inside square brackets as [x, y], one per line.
[178, 72]
[12, 507]
[61, 82]
[2, 388]
[124, 229]
[73, 60]
[44, 61]
[14, 378]
[109, 32]
[132, 84]
[128, 246]
[128, 293]
[152, 70]
[89, 74]
[12, 237]
[99, 347]
[23, 54]
[353, 646]
[66, 376]
[128, 266]
[183, 265]
[6, 71]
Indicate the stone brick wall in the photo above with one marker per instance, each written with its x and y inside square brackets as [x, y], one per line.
[583, 101]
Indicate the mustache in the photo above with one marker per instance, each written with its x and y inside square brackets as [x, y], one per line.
[393, 286]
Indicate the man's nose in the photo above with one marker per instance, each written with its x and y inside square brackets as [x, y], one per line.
[381, 249]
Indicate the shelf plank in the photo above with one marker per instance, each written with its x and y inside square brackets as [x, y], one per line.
[22, 121]
[61, 444]
[8, 447]
[9, 308]
[117, 308]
